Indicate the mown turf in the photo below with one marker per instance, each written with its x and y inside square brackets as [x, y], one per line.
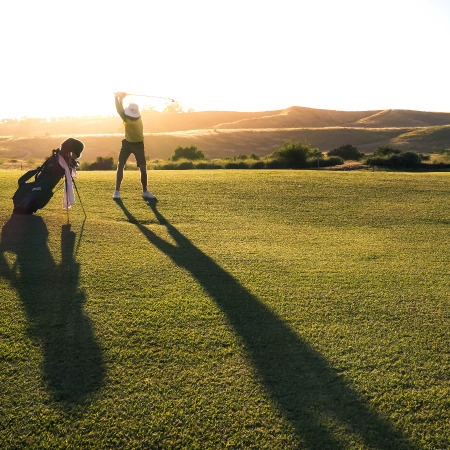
[248, 309]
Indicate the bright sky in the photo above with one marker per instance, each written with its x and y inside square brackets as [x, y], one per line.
[62, 57]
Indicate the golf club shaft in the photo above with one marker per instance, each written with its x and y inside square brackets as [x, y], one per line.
[152, 96]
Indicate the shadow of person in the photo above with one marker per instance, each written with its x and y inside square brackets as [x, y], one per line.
[307, 390]
[72, 361]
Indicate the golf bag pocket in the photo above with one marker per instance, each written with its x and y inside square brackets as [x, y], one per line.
[24, 188]
[30, 197]
[22, 191]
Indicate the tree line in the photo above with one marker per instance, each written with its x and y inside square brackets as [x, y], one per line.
[291, 155]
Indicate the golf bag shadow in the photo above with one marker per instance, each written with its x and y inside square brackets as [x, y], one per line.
[34, 195]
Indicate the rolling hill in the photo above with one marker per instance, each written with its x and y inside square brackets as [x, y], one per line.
[228, 133]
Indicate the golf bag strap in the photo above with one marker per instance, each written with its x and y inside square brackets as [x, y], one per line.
[24, 178]
[41, 168]
[35, 172]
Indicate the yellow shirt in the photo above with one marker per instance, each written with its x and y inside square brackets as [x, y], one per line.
[134, 129]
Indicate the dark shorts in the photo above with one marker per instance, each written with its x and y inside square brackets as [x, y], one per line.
[137, 148]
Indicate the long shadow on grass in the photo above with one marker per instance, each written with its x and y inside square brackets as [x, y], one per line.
[73, 366]
[319, 404]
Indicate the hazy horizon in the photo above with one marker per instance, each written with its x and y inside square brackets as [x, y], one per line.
[114, 114]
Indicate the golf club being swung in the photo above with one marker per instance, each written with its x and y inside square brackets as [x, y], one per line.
[152, 96]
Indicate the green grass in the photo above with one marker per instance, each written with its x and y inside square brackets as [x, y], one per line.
[248, 309]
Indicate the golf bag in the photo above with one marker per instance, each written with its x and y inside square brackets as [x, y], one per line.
[34, 195]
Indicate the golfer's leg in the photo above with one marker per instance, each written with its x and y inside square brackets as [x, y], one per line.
[119, 175]
[143, 169]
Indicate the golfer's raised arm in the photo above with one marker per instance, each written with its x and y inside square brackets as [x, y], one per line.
[119, 105]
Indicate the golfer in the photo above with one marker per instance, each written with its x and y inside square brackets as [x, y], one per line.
[133, 143]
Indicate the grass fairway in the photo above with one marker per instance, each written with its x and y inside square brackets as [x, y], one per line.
[246, 309]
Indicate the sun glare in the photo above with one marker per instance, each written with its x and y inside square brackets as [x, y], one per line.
[247, 56]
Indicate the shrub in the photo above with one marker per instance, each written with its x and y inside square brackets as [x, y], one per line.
[205, 165]
[233, 165]
[408, 160]
[294, 155]
[326, 162]
[258, 165]
[102, 164]
[385, 150]
[186, 165]
[190, 153]
[167, 166]
[251, 156]
[347, 152]
[276, 164]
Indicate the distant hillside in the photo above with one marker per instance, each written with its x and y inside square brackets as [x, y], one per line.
[432, 139]
[404, 118]
[227, 133]
[298, 117]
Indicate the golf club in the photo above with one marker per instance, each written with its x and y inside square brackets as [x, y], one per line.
[152, 96]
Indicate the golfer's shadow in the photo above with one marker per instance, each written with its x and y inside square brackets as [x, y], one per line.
[72, 361]
[306, 389]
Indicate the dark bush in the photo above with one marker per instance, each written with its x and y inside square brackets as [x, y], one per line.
[385, 150]
[408, 160]
[294, 155]
[328, 162]
[207, 166]
[187, 153]
[102, 164]
[167, 167]
[377, 161]
[233, 165]
[258, 165]
[186, 165]
[347, 152]
[243, 157]
[276, 164]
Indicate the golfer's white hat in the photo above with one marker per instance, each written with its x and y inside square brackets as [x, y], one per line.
[132, 110]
